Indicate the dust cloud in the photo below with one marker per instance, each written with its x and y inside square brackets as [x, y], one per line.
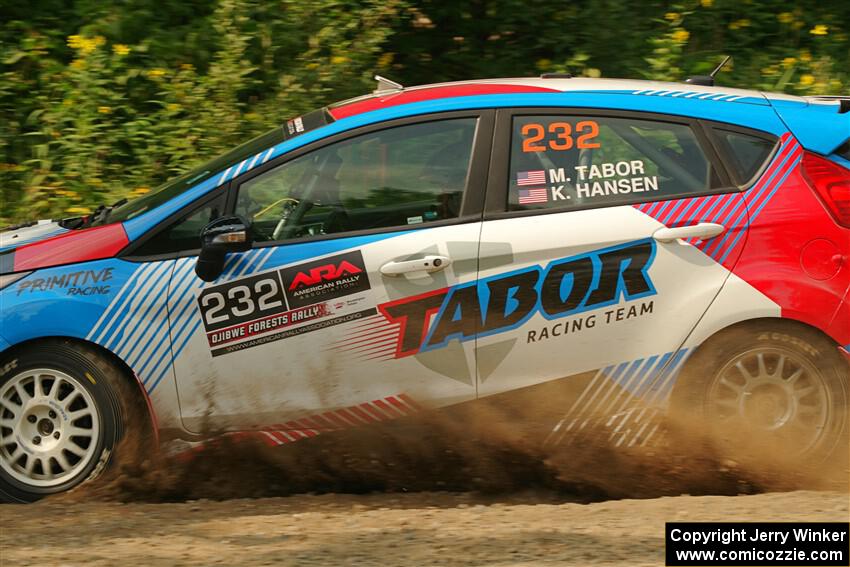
[486, 448]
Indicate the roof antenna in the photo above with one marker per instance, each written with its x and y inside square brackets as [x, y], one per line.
[708, 80]
[385, 84]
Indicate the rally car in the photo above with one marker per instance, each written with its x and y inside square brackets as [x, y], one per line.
[653, 246]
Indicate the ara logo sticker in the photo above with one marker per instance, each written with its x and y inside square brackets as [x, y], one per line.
[325, 279]
[326, 273]
[503, 302]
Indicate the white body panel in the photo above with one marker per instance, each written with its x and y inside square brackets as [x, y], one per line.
[685, 281]
[334, 366]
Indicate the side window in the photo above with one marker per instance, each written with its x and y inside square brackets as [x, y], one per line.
[570, 162]
[406, 175]
[184, 234]
[747, 153]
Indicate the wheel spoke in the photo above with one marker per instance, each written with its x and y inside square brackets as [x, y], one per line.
[796, 376]
[801, 393]
[70, 398]
[744, 372]
[762, 364]
[22, 394]
[39, 385]
[75, 449]
[75, 415]
[10, 405]
[30, 465]
[54, 391]
[780, 367]
[63, 461]
[79, 432]
[737, 388]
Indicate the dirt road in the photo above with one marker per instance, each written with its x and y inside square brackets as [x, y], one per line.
[383, 530]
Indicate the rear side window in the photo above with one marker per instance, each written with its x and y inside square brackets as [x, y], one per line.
[573, 162]
[746, 153]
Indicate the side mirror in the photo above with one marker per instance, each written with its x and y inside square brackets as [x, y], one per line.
[221, 237]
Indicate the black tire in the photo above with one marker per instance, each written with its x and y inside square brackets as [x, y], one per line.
[776, 396]
[43, 451]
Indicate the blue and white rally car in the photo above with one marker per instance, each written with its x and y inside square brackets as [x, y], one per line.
[646, 245]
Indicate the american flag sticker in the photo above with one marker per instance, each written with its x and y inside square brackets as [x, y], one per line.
[532, 196]
[536, 177]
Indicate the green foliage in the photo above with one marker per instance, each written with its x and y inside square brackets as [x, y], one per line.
[105, 99]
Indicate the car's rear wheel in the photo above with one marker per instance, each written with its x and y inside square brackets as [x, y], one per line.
[61, 416]
[762, 392]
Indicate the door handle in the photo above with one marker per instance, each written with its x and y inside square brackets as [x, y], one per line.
[426, 264]
[704, 230]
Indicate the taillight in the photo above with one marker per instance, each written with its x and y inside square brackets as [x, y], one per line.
[832, 183]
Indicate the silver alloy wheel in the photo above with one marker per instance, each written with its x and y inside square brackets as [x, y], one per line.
[49, 427]
[774, 391]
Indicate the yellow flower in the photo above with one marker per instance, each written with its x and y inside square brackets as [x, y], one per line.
[338, 60]
[785, 17]
[819, 29]
[141, 190]
[671, 16]
[78, 210]
[187, 67]
[543, 64]
[104, 109]
[789, 61]
[156, 73]
[85, 44]
[807, 80]
[120, 49]
[173, 107]
[738, 24]
[78, 63]
[681, 36]
[707, 3]
[805, 56]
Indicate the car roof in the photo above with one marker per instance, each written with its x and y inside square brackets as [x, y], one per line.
[391, 97]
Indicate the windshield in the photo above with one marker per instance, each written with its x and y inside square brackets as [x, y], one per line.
[171, 189]
[177, 186]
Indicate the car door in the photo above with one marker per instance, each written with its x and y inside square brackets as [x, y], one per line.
[310, 329]
[607, 236]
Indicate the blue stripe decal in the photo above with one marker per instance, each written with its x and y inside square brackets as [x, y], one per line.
[769, 186]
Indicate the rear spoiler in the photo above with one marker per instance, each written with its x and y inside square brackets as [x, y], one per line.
[821, 124]
[843, 101]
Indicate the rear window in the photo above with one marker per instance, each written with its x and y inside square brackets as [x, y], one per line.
[747, 153]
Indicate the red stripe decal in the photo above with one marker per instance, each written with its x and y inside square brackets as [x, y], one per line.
[409, 401]
[431, 93]
[73, 246]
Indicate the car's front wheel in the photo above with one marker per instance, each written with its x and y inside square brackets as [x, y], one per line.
[61, 416]
[768, 393]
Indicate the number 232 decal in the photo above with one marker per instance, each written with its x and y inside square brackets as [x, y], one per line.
[561, 136]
